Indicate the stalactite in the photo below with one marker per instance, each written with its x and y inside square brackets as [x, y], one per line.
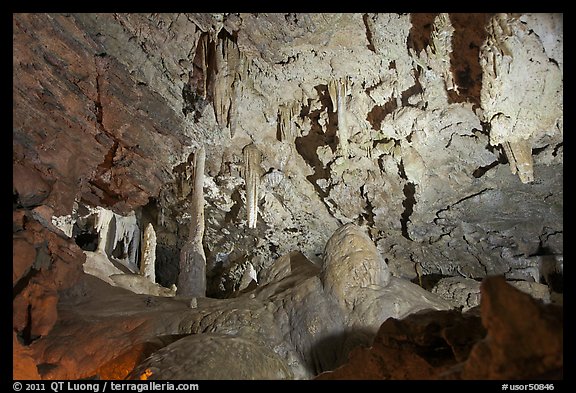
[112, 229]
[103, 219]
[204, 53]
[521, 93]
[252, 177]
[147, 264]
[519, 155]
[192, 276]
[241, 74]
[221, 88]
[338, 90]
[441, 47]
[233, 114]
[287, 130]
[228, 62]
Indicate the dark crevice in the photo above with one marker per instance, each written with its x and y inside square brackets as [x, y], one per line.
[539, 150]
[278, 126]
[23, 282]
[369, 89]
[289, 60]
[408, 202]
[469, 35]
[419, 36]
[26, 335]
[231, 216]
[458, 202]
[379, 112]
[412, 90]
[385, 140]
[556, 148]
[369, 213]
[381, 162]
[307, 145]
[429, 281]
[480, 171]
[368, 33]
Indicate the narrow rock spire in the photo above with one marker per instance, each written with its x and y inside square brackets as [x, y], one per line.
[192, 277]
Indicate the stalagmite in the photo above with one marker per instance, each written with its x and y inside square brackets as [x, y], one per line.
[338, 91]
[192, 276]
[252, 178]
[147, 264]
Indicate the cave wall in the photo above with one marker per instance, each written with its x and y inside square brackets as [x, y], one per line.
[441, 134]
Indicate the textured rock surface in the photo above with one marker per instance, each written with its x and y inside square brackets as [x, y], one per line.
[292, 327]
[193, 358]
[460, 291]
[24, 364]
[45, 262]
[421, 346]
[524, 340]
[425, 164]
[518, 338]
[440, 135]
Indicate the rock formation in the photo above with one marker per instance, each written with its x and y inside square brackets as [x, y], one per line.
[192, 276]
[308, 166]
[515, 338]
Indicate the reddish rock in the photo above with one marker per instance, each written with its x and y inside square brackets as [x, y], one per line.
[423, 345]
[46, 212]
[43, 309]
[91, 131]
[524, 340]
[521, 338]
[18, 217]
[29, 185]
[23, 364]
[53, 263]
[23, 256]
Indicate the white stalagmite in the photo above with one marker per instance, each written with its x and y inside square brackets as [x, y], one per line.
[252, 177]
[192, 276]
[147, 263]
[338, 89]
